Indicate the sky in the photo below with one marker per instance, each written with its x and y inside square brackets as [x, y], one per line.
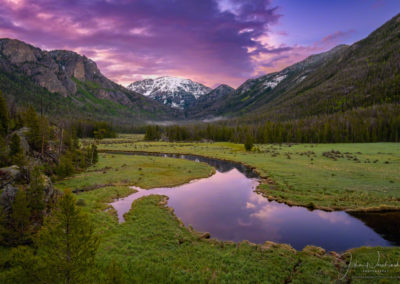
[208, 41]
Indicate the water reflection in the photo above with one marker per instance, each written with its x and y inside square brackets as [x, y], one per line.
[220, 165]
[226, 205]
[387, 224]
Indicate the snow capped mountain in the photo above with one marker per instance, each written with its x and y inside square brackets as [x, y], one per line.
[172, 91]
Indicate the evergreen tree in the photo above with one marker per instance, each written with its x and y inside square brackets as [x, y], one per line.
[44, 129]
[66, 166]
[95, 154]
[153, 133]
[35, 195]
[20, 218]
[19, 123]
[16, 154]
[31, 120]
[4, 119]
[15, 226]
[3, 152]
[66, 244]
[99, 133]
[248, 145]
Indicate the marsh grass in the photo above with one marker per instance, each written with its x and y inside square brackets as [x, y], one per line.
[145, 172]
[153, 246]
[330, 176]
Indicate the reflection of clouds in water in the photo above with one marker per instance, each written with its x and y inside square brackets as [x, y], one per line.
[244, 223]
[263, 209]
[265, 213]
[250, 205]
[334, 217]
[226, 205]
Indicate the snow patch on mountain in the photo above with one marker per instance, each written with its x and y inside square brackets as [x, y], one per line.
[301, 79]
[173, 91]
[275, 81]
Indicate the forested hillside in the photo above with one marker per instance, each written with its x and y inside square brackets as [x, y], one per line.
[361, 75]
[65, 84]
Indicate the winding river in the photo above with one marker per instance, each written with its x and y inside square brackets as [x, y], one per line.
[226, 206]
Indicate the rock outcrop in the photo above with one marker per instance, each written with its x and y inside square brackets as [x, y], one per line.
[13, 178]
[73, 76]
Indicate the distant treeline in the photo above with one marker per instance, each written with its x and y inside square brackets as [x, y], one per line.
[373, 124]
[93, 129]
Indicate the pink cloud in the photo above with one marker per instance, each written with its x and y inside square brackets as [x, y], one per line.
[210, 41]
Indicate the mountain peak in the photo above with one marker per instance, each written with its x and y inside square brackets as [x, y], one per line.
[68, 77]
[175, 92]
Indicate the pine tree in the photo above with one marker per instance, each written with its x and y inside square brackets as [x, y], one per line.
[16, 153]
[66, 244]
[19, 123]
[15, 228]
[31, 120]
[44, 134]
[3, 152]
[248, 145]
[66, 166]
[35, 195]
[20, 218]
[95, 154]
[4, 119]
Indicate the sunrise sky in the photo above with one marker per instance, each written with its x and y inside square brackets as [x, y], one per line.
[209, 41]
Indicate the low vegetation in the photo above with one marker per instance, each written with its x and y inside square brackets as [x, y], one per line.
[152, 245]
[329, 176]
[120, 170]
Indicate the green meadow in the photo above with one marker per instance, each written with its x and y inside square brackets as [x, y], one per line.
[360, 176]
[152, 245]
[114, 170]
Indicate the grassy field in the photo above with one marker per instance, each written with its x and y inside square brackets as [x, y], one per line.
[153, 245]
[142, 171]
[327, 176]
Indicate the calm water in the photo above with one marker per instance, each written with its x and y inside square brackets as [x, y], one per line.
[226, 206]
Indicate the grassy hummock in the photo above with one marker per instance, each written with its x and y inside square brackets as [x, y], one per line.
[145, 172]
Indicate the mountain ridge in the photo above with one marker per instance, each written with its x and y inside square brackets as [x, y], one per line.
[72, 80]
[257, 91]
[175, 92]
[363, 74]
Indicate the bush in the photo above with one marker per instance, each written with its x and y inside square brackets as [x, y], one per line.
[81, 202]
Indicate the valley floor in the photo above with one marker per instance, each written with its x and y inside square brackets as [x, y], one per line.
[359, 176]
[153, 246]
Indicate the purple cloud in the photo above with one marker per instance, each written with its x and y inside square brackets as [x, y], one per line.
[134, 39]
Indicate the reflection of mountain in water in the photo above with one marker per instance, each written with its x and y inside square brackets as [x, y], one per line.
[387, 224]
